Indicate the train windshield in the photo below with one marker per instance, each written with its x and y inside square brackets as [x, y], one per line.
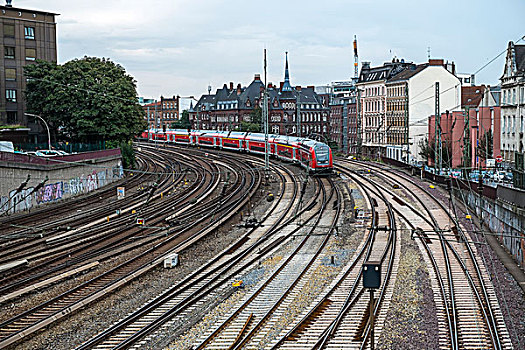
[322, 153]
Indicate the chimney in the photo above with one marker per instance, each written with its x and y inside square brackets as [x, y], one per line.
[435, 62]
[239, 89]
[298, 88]
[231, 85]
[365, 65]
[310, 87]
[270, 85]
[472, 79]
[8, 3]
[257, 77]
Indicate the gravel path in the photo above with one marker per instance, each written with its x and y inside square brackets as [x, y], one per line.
[411, 320]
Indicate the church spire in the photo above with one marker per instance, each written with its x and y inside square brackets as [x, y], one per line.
[286, 85]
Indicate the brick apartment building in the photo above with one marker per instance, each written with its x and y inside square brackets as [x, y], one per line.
[230, 106]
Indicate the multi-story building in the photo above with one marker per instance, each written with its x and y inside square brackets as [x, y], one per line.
[26, 35]
[152, 113]
[410, 99]
[343, 124]
[232, 108]
[470, 136]
[161, 113]
[169, 110]
[372, 94]
[513, 102]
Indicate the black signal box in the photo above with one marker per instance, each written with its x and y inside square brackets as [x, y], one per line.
[372, 274]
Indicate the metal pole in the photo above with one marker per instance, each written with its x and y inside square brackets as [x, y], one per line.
[372, 305]
[437, 157]
[298, 121]
[47, 127]
[197, 105]
[358, 122]
[155, 122]
[265, 116]
[149, 126]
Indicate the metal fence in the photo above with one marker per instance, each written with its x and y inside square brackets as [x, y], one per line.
[64, 146]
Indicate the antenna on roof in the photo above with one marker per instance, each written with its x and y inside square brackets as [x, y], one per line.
[209, 89]
[356, 59]
[428, 52]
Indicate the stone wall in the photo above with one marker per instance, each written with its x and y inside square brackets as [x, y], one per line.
[67, 176]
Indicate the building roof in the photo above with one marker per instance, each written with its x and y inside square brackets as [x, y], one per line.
[407, 73]
[520, 57]
[28, 10]
[286, 85]
[384, 72]
[471, 96]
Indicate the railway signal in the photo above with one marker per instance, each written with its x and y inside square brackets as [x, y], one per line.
[372, 281]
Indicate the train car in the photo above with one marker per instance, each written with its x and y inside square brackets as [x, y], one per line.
[179, 136]
[313, 155]
[207, 138]
[286, 147]
[157, 135]
[234, 140]
[255, 143]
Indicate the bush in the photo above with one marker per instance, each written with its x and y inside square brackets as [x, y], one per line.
[127, 151]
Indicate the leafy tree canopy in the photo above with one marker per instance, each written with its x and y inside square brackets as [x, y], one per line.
[184, 122]
[88, 99]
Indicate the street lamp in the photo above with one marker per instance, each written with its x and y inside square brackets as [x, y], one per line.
[47, 127]
[194, 99]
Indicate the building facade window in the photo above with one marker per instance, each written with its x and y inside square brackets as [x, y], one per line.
[10, 95]
[9, 52]
[10, 74]
[11, 117]
[9, 30]
[29, 33]
[30, 54]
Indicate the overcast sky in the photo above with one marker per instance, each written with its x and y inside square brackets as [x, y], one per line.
[180, 47]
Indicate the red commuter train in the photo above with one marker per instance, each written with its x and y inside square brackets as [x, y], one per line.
[313, 155]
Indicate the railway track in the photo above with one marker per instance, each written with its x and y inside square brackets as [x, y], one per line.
[337, 319]
[252, 321]
[468, 312]
[193, 293]
[26, 323]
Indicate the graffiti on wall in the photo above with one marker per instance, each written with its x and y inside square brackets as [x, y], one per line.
[27, 198]
[49, 193]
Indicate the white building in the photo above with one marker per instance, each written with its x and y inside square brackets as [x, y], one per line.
[414, 89]
[512, 102]
[396, 101]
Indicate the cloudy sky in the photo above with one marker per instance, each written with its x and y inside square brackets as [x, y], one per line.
[182, 46]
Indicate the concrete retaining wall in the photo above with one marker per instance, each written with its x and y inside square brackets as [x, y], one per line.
[67, 176]
[505, 220]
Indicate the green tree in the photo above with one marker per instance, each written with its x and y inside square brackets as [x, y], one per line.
[486, 146]
[251, 127]
[428, 152]
[87, 100]
[184, 122]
